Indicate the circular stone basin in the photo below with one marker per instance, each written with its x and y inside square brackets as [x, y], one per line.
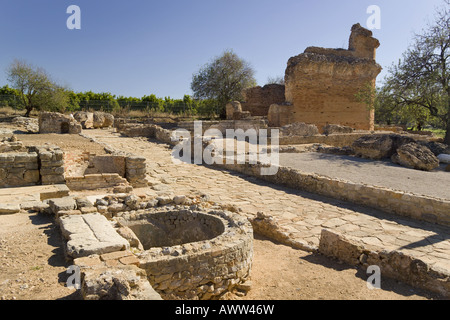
[167, 229]
[192, 254]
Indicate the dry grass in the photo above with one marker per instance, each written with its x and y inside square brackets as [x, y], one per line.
[9, 111]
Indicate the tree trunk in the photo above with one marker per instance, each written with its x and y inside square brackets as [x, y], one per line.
[28, 108]
[447, 133]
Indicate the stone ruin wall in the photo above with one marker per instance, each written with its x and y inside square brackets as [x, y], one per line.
[37, 166]
[258, 100]
[320, 86]
[55, 122]
[85, 171]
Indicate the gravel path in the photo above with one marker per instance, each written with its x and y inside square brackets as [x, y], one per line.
[376, 173]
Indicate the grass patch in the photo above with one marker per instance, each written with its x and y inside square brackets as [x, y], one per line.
[440, 133]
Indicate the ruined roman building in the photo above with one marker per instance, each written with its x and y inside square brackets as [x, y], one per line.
[257, 100]
[320, 86]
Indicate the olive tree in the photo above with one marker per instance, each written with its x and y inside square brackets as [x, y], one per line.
[223, 79]
[421, 78]
[35, 87]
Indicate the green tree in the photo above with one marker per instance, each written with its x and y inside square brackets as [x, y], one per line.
[223, 79]
[35, 87]
[6, 90]
[419, 83]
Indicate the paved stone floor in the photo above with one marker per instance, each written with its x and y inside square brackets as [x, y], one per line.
[382, 173]
[300, 215]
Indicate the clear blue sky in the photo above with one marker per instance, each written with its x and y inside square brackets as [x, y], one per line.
[140, 47]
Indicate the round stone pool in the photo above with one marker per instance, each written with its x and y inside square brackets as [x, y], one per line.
[192, 253]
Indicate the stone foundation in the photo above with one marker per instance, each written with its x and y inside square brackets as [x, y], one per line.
[51, 164]
[19, 169]
[85, 171]
[53, 122]
[40, 165]
[203, 269]
[393, 264]
[186, 252]
[95, 181]
[258, 100]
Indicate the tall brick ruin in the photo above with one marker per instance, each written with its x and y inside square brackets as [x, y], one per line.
[321, 84]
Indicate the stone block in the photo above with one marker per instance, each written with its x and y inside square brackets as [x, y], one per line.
[90, 234]
[115, 255]
[25, 157]
[6, 208]
[62, 204]
[83, 202]
[68, 213]
[86, 119]
[130, 260]
[31, 176]
[131, 237]
[53, 179]
[56, 191]
[88, 262]
[121, 283]
[6, 158]
[86, 210]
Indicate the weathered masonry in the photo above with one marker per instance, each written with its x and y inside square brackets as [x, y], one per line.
[321, 84]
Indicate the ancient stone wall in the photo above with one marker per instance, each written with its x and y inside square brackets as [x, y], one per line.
[257, 100]
[135, 171]
[204, 269]
[321, 85]
[94, 181]
[40, 165]
[51, 164]
[393, 264]
[53, 122]
[84, 171]
[19, 169]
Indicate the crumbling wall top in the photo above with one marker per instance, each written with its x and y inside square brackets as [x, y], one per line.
[362, 45]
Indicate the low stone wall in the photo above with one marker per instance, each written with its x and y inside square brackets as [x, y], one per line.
[337, 140]
[393, 264]
[256, 124]
[397, 202]
[94, 181]
[112, 277]
[136, 170]
[51, 162]
[40, 165]
[204, 269]
[54, 122]
[133, 168]
[19, 169]
[165, 135]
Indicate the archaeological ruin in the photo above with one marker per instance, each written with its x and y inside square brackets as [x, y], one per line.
[135, 224]
[321, 86]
